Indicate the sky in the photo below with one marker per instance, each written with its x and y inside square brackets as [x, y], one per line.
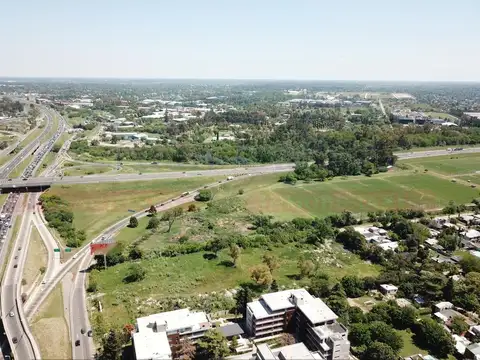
[412, 40]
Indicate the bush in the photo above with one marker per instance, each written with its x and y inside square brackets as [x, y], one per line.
[204, 195]
[192, 208]
[135, 273]
[241, 192]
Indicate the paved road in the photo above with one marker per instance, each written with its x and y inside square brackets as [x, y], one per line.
[79, 314]
[27, 150]
[14, 327]
[92, 179]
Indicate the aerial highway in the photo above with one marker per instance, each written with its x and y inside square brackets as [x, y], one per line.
[270, 168]
[15, 324]
[16, 327]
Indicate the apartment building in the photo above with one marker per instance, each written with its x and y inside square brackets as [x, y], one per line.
[308, 317]
[158, 336]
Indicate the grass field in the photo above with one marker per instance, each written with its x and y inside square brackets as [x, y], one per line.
[448, 165]
[21, 167]
[150, 168]
[31, 137]
[356, 194]
[96, 206]
[194, 274]
[409, 348]
[36, 257]
[440, 115]
[50, 328]
[86, 170]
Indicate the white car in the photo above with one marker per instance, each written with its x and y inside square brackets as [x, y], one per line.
[11, 314]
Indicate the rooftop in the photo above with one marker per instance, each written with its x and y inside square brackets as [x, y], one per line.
[294, 352]
[335, 330]
[471, 234]
[389, 287]
[182, 320]
[151, 346]
[317, 311]
[282, 299]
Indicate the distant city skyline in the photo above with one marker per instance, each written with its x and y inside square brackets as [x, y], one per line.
[310, 40]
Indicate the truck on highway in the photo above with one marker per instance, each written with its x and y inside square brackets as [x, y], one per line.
[229, 177]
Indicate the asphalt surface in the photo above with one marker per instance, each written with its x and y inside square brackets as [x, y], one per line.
[11, 312]
[92, 179]
[16, 326]
[79, 315]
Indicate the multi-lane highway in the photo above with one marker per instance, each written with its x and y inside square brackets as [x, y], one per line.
[91, 179]
[16, 327]
[15, 324]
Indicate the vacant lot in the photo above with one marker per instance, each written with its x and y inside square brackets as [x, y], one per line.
[50, 328]
[96, 206]
[454, 164]
[357, 194]
[193, 274]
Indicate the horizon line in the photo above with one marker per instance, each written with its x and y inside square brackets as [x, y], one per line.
[228, 79]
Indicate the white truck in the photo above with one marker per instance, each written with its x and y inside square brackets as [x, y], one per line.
[229, 177]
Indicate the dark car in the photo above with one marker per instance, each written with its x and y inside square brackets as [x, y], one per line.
[77, 343]
[14, 340]
[15, 266]
[89, 333]
[82, 331]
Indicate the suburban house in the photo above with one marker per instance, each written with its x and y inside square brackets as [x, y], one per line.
[387, 289]
[308, 317]
[472, 352]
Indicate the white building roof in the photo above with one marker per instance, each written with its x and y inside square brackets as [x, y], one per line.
[471, 234]
[151, 346]
[317, 311]
[389, 287]
[282, 299]
[392, 245]
[295, 352]
[182, 319]
[444, 305]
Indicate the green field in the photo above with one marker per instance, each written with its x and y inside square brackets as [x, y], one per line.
[356, 194]
[440, 115]
[448, 165]
[96, 206]
[85, 170]
[192, 274]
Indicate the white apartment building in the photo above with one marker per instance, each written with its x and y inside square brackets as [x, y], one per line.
[157, 336]
[308, 317]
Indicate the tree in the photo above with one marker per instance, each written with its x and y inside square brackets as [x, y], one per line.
[133, 222]
[458, 325]
[192, 208]
[135, 253]
[235, 253]
[204, 195]
[171, 215]
[186, 349]
[242, 298]
[433, 337]
[449, 290]
[450, 209]
[384, 333]
[352, 240]
[234, 344]
[379, 351]
[261, 274]
[135, 273]
[353, 286]
[152, 210]
[153, 223]
[127, 331]
[271, 261]
[111, 346]
[286, 339]
[274, 286]
[306, 267]
[319, 286]
[217, 244]
[213, 345]
[470, 263]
